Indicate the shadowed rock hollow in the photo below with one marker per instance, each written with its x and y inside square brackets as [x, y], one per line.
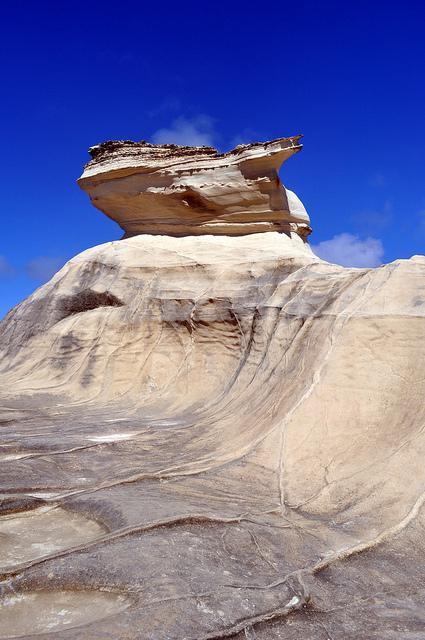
[206, 431]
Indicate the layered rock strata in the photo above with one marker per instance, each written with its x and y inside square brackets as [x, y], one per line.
[212, 437]
[174, 190]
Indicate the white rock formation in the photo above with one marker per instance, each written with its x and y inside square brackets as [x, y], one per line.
[174, 190]
[212, 436]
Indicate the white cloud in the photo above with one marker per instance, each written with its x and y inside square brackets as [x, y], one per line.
[44, 267]
[195, 132]
[6, 268]
[350, 250]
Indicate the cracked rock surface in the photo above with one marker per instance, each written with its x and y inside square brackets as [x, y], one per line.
[214, 436]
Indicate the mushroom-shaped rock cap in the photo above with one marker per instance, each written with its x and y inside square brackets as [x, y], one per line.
[176, 190]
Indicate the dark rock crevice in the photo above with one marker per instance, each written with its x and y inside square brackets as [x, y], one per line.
[87, 300]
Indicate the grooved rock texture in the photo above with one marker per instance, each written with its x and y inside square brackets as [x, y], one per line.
[173, 190]
[214, 436]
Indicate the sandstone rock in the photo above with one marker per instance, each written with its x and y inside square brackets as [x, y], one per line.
[235, 429]
[174, 190]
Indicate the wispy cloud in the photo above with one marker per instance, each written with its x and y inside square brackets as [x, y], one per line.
[244, 137]
[350, 250]
[44, 267]
[6, 269]
[375, 219]
[169, 105]
[195, 132]
[378, 180]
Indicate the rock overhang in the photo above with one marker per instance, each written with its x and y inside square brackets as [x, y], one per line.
[181, 190]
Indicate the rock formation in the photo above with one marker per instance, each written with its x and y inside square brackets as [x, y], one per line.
[212, 433]
[180, 191]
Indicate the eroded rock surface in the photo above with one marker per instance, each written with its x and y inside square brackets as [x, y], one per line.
[168, 189]
[235, 429]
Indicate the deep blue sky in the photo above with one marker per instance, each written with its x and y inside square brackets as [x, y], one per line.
[350, 76]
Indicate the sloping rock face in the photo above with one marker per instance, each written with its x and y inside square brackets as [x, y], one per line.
[167, 189]
[214, 436]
